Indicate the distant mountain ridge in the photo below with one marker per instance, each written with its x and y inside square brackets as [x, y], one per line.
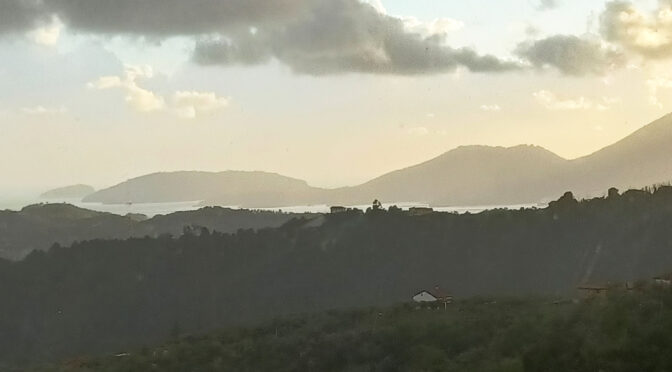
[69, 192]
[37, 227]
[467, 175]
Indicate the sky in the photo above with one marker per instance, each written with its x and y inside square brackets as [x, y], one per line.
[334, 92]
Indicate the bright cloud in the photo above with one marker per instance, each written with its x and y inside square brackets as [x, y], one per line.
[185, 104]
[491, 108]
[189, 104]
[438, 26]
[42, 110]
[138, 98]
[47, 35]
[553, 102]
[649, 34]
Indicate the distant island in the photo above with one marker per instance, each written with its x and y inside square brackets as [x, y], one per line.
[465, 176]
[231, 188]
[69, 192]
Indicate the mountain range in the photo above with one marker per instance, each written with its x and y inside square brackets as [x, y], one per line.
[468, 175]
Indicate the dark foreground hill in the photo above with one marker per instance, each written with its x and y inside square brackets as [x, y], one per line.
[625, 331]
[37, 227]
[106, 296]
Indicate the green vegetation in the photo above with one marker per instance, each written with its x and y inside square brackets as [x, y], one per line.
[625, 331]
[37, 227]
[102, 296]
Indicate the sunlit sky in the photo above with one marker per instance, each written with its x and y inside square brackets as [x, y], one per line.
[335, 92]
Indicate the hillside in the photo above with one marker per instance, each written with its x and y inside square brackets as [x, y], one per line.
[643, 158]
[482, 175]
[38, 227]
[107, 296]
[231, 188]
[469, 175]
[69, 192]
[466, 176]
[622, 332]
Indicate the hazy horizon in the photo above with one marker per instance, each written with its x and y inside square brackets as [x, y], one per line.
[23, 193]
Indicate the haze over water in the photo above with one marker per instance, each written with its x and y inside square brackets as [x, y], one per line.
[153, 209]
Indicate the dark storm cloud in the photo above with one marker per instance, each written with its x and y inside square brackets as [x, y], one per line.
[311, 36]
[347, 36]
[570, 54]
[172, 17]
[19, 15]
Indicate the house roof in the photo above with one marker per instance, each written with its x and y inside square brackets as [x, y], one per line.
[437, 292]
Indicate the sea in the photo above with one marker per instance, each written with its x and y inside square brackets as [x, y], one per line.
[154, 209]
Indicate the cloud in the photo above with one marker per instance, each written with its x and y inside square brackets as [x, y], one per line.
[341, 36]
[438, 26]
[655, 85]
[548, 4]
[648, 34]
[531, 30]
[42, 110]
[418, 131]
[310, 36]
[161, 18]
[138, 98]
[491, 108]
[190, 104]
[552, 102]
[184, 104]
[20, 15]
[376, 4]
[48, 34]
[570, 54]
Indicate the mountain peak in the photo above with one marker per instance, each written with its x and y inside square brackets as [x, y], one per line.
[522, 149]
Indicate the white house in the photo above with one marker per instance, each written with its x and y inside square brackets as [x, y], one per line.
[424, 296]
[433, 295]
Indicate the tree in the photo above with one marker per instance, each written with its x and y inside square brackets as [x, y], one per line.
[377, 205]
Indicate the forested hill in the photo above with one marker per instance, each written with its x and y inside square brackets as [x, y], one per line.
[106, 296]
[622, 332]
[37, 227]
